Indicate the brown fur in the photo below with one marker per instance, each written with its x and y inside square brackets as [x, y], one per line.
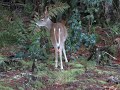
[63, 33]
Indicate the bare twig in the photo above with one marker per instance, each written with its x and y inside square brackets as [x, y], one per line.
[111, 55]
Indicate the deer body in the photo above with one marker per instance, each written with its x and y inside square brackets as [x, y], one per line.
[58, 35]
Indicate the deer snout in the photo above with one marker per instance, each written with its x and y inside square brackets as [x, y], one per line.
[41, 24]
[38, 24]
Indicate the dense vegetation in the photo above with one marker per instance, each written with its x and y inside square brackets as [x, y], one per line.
[93, 45]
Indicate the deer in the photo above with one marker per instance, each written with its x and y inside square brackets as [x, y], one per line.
[58, 36]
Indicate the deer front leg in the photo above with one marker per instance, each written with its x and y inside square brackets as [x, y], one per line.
[65, 54]
[56, 58]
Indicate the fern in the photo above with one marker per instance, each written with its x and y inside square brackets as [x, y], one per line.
[38, 46]
[6, 27]
[57, 8]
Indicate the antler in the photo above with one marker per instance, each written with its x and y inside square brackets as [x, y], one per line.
[46, 10]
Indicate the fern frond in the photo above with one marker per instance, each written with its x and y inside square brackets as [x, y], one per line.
[7, 38]
[58, 8]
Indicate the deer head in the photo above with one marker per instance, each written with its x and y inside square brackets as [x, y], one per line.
[45, 20]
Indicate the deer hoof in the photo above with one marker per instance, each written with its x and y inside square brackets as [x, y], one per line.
[61, 68]
[56, 67]
[66, 61]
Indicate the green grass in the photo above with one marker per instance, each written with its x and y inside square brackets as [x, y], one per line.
[38, 84]
[100, 72]
[76, 64]
[60, 77]
[3, 87]
[102, 82]
[67, 76]
[26, 64]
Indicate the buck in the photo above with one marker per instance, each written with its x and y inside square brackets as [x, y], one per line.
[58, 35]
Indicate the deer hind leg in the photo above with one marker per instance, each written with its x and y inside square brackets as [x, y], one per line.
[56, 57]
[64, 54]
[60, 53]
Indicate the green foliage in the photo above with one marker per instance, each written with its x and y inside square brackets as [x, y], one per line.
[76, 64]
[94, 7]
[38, 47]
[67, 76]
[20, 88]
[91, 10]
[14, 32]
[73, 3]
[26, 63]
[7, 38]
[3, 65]
[115, 29]
[102, 82]
[39, 41]
[38, 85]
[7, 28]
[87, 39]
[36, 50]
[5, 88]
[95, 2]
[28, 8]
[87, 65]
[76, 37]
[74, 32]
[57, 9]
[74, 21]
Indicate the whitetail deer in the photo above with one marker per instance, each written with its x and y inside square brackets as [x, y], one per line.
[58, 35]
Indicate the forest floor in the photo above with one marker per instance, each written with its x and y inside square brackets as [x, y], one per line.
[77, 75]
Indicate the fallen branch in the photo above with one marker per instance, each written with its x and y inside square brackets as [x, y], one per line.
[111, 55]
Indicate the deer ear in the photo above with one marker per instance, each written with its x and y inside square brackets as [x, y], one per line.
[46, 11]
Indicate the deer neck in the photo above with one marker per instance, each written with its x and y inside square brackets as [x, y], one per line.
[49, 24]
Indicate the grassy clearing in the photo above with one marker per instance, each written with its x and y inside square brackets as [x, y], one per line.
[80, 73]
[60, 77]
